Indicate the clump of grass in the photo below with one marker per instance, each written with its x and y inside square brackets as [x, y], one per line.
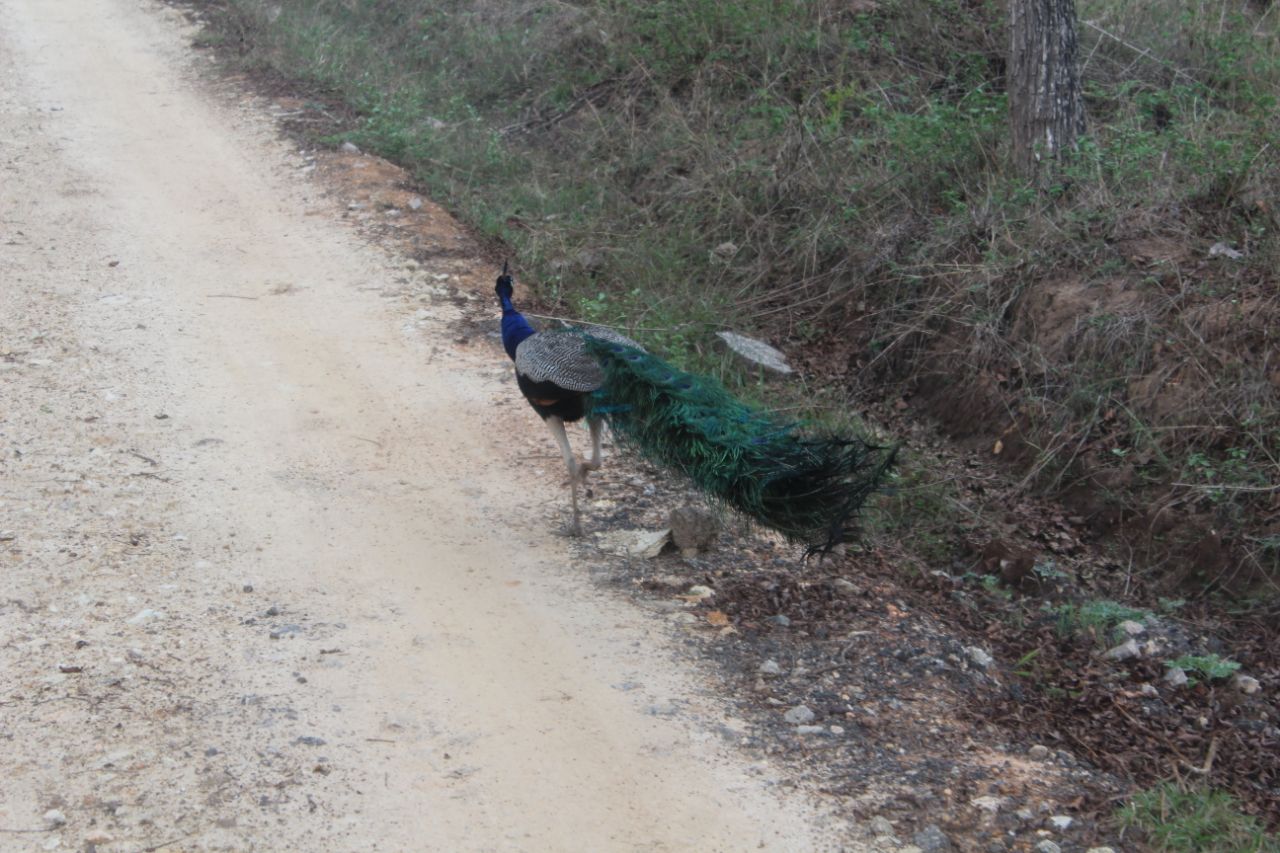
[1178, 820]
[1210, 667]
[1099, 619]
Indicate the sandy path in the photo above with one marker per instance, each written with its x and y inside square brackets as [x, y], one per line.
[272, 578]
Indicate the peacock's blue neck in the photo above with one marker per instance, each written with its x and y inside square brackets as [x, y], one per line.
[515, 328]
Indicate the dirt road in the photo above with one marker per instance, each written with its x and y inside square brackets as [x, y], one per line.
[275, 575]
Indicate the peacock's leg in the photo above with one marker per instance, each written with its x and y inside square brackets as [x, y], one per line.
[556, 425]
[596, 460]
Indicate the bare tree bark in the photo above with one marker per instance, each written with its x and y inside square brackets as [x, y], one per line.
[1046, 103]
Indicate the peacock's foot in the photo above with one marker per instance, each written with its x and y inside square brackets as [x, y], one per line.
[570, 530]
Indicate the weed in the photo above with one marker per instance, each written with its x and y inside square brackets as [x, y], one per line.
[1098, 619]
[1195, 820]
[1210, 667]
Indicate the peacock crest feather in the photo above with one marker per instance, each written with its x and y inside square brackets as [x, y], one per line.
[807, 487]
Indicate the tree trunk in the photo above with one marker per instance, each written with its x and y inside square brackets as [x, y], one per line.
[1046, 104]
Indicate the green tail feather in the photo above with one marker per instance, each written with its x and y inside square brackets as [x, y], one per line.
[807, 488]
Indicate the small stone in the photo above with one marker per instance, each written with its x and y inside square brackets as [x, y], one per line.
[247, 588]
[799, 715]
[54, 817]
[145, 616]
[1175, 677]
[1247, 684]
[879, 825]
[350, 148]
[701, 591]
[311, 740]
[1025, 814]
[931, 839]
[1039, 752]
[415, 203]
[810, 730]
[1125, 651]
[650, 545]
[980, 656]
[1132, 628]
[987, 804]
[770, 667]
[781, 619]
[1047, 846]
[1149, 690]
[1061, 822]
[725, 250]
[1100, 850]
[837, 730]
[845, 586]
[1223, 250]
[683, 618]
[693, 529]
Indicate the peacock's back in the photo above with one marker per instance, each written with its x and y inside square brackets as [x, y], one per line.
[561, 357]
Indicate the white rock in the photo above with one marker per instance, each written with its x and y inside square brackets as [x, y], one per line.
[650, 545]
[54, 817]
[980, 656]
[1132, 628]
[1047, 846]
[1247, 684]
[350, 148]
[145, 615]
[1222, 249]
[1100, 850]
[987, 804]
[810, 730]
[770, 667]
[701, 591]
[799, 715]
[1039, 752]
[1175, 677]
[1125, 651]
[879, 825]
[1061, 822]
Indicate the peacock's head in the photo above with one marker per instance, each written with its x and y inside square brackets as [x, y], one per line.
[505, 286]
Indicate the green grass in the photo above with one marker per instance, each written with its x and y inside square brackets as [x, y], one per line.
[1195, 821]
[1210, 667]
[1099, 619]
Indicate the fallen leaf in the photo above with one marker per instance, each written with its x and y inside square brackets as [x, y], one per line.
[717, 619]
[999, 447]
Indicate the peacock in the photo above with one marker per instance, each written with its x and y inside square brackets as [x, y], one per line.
[807, 487]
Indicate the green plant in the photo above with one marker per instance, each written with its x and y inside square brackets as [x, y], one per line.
[1195, 820]
[1210, 666]
[1098, 619]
